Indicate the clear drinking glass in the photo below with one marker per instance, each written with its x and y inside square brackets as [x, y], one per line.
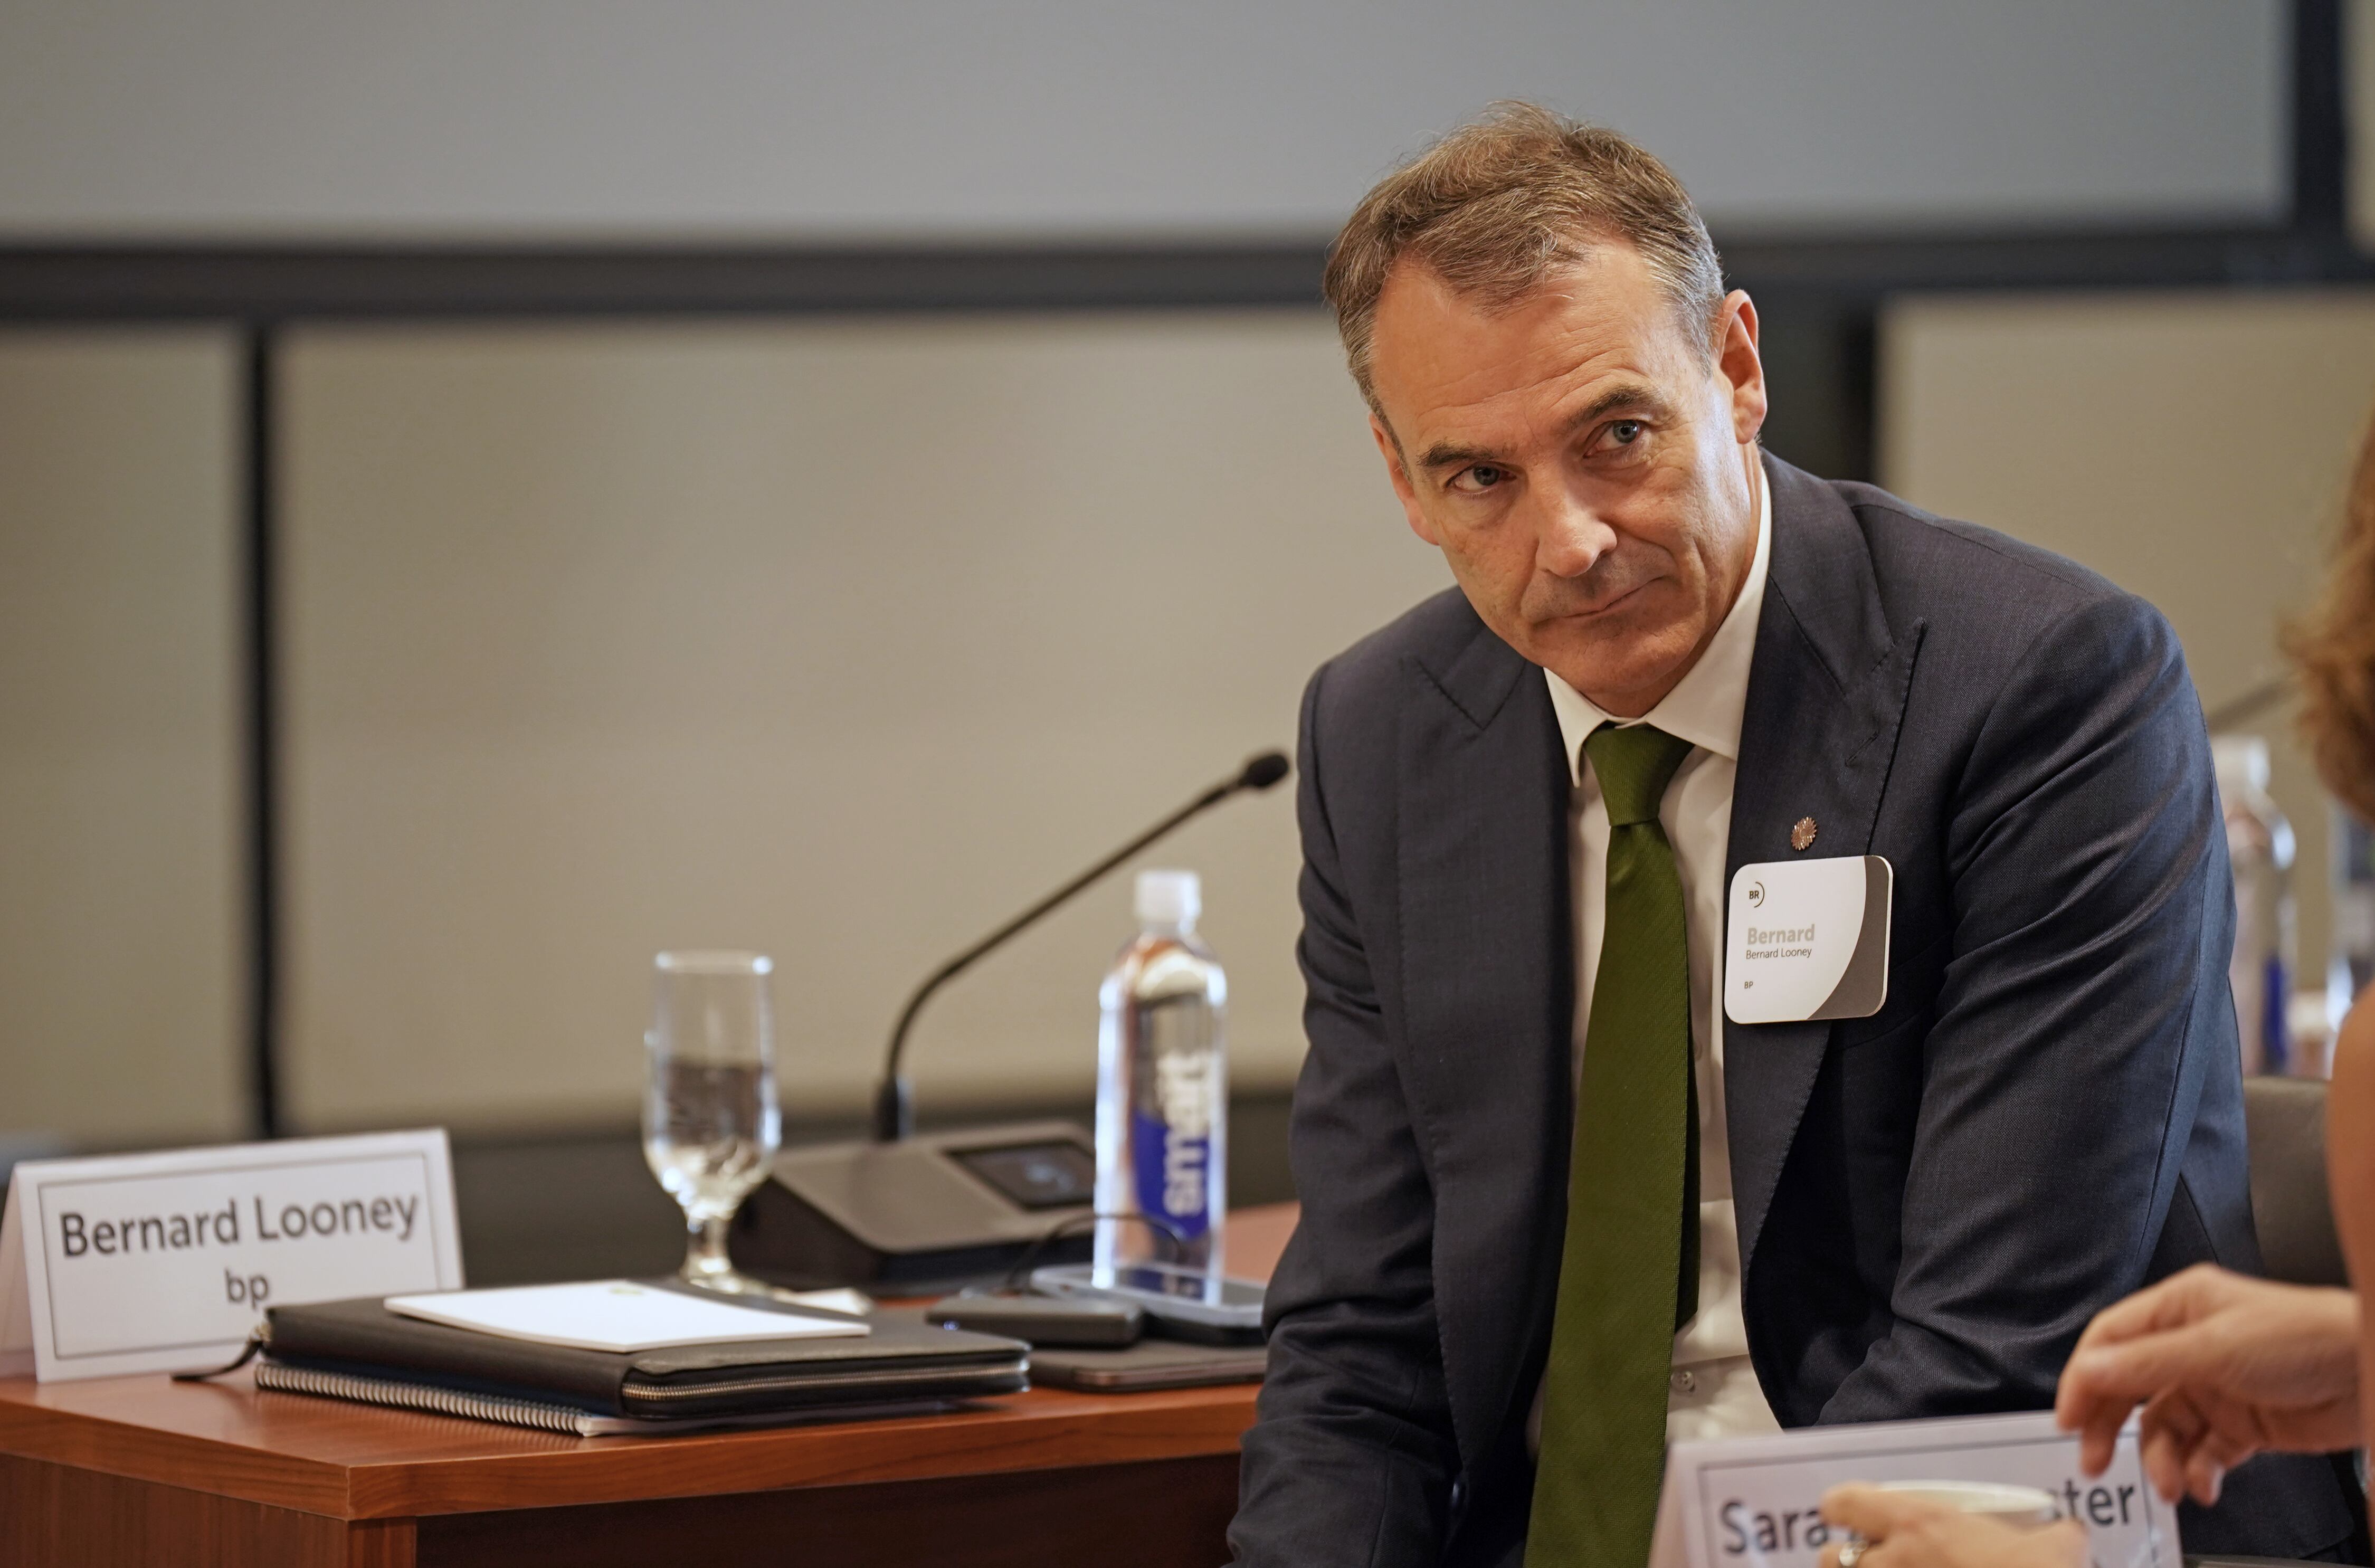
[711, 1125]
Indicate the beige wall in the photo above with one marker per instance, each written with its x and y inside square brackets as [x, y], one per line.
[119, 852]
[2193, 448]
[844, 640]
[840, 640]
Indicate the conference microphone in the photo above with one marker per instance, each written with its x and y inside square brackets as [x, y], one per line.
[907, 1215]
[894, 1111]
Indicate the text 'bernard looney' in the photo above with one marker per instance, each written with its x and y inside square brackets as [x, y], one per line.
[80, 1235]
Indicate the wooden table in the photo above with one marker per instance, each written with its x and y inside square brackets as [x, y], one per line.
[141, 1470]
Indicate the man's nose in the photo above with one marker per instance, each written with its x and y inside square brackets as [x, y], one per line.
[1570, 536]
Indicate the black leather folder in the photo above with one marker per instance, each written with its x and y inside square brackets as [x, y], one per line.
[358, 1349]
[1150, 1363]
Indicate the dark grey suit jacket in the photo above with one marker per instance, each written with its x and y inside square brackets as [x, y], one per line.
[2046, 1115]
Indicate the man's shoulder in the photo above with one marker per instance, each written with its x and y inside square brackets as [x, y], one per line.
[1993, 608]
[1430, 640]
[1938, 566]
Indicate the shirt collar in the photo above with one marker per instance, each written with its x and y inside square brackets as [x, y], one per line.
[1707, 706]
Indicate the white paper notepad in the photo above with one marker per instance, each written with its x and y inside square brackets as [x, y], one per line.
[614, 1314]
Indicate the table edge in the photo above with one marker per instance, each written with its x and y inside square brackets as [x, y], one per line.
[1062, 1433]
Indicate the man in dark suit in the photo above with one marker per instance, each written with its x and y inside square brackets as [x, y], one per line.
[1557, 1207]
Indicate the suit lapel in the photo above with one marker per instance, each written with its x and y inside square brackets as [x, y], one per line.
[1825, 696]
[1488, 996]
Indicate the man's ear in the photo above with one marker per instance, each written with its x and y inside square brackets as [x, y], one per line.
[1404, 491]
[1738, 362]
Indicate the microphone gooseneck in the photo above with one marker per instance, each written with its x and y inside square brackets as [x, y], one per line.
[895, 1109]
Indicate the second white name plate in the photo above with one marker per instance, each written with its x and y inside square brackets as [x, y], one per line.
[1751, 1501]
[165, 1262]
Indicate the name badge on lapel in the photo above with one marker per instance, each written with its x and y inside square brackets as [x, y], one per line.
[1807, 940]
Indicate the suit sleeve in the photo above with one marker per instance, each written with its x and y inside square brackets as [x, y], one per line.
[2084, 1001]
[1351, 1457]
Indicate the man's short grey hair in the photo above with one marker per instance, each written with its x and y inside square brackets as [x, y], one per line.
[1498, 206]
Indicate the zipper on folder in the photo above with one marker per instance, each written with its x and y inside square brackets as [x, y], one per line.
[950, 1380]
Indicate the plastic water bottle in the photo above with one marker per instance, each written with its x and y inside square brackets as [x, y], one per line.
[1163, 1085]
[2260, 845]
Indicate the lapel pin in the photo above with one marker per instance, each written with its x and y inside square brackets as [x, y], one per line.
[1803, 835]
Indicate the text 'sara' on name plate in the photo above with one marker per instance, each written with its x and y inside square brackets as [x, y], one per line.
[1807, 940]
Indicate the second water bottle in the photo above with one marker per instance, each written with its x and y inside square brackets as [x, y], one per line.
[1163, 1086]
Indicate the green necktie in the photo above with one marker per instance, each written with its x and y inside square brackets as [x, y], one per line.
[1630, 1236]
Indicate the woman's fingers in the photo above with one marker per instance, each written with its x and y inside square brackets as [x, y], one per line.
[2180, 1299]
[2061, 1546]
[2163, 1464]
[1872, 1512]
[2123, 1374]
[2172, 1428]
[2098, 1441]
[2260, 1365]
[1909, 1532]
[2135, 1348]
[2203, 1476]
[2100, 1387]
[2228, 1438]
[2096, 1394]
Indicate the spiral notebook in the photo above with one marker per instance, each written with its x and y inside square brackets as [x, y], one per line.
[437, 1399]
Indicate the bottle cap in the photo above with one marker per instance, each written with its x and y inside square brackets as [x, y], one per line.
[2239, 761]
[1169, 898]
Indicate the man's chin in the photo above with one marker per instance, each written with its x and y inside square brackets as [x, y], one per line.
[1609, 668]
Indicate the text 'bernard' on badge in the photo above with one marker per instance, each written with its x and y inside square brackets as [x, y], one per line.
[165, 1262]
[1807, 940]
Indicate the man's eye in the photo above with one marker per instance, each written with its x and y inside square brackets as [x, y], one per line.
[1625, 432]
[1478, 477]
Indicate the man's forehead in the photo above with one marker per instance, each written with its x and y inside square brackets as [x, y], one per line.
[1439, 356]
[1417, 301]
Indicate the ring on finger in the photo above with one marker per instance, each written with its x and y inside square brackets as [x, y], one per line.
[1852, 1553]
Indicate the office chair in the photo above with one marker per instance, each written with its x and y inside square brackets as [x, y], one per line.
[2289, 1203]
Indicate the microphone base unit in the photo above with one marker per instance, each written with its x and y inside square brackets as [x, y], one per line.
[921, 1216]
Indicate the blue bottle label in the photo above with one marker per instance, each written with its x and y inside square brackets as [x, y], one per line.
[2276, 1046]
[1174, 1165]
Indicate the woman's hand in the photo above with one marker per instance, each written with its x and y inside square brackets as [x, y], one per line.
[2224, 1366]
[1915, 1532]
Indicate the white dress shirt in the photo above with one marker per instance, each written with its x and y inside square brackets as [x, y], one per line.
[1714, 1390]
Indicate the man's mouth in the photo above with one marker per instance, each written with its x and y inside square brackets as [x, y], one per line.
[1593, 612]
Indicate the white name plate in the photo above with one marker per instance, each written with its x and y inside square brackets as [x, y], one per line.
[164, 1262]
[1750, 1502]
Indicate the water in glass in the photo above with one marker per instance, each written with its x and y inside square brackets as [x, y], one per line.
[711, 1125]
[709, 1145]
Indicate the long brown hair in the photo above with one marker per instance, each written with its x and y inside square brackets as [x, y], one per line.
[2334, 647]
